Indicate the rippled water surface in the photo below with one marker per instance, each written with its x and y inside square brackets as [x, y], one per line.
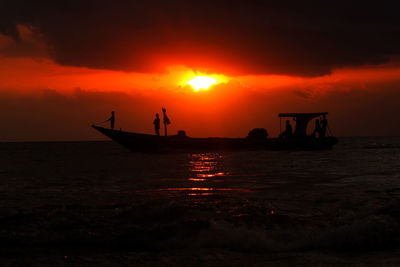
[95, 203]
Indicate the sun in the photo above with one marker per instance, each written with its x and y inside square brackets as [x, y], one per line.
[202, 82]
[199, 81]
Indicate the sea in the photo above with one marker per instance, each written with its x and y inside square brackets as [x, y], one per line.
[98, 204]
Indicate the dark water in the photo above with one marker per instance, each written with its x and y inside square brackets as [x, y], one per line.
[95, 203]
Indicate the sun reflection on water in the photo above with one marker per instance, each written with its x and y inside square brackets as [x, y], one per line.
[205, 167]
[202, 191]
[197, 179]
[210, 175]
[206, 176]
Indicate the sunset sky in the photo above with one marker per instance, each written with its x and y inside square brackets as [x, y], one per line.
[66, 64]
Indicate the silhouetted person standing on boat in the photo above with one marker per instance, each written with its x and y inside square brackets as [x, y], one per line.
[156, 123]
[165, 120]
[324, 125]
[288, 131]
[317, 129]
[112, 120]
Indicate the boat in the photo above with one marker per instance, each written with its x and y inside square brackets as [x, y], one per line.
[139, 142]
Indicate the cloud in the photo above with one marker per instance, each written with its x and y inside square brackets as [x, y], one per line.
[234, 37]
[27, 44]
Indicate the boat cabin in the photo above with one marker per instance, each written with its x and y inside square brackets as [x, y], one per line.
[301, 120]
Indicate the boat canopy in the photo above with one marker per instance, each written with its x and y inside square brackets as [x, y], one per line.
[302, 120]
[295, 115]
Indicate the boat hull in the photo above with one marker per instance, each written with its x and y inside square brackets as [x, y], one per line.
[158, 144]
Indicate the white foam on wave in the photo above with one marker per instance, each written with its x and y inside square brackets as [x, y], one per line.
[370, 233]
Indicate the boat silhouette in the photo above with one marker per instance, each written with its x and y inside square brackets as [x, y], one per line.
[139, 142]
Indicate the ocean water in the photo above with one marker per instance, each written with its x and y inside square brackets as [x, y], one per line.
[97, 204]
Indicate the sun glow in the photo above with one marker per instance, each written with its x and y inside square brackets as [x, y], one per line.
[196, 80]
[202, 82]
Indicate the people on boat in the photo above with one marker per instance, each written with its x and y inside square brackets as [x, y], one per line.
[288, 131]
[317, 129]
[324, 125]
[302, 120]
[301, 125]
[112, 120]
[156, 123]
[166, 121]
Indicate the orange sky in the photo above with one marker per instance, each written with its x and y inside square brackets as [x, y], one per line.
[43, 100]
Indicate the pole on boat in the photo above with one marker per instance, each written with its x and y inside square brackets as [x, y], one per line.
[330, 133]
[280, 125]
[165, 120]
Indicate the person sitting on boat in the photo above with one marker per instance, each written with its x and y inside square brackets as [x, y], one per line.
[317, 129]
[156, 123]
[324, 125]
[288, 131]
[112, 120]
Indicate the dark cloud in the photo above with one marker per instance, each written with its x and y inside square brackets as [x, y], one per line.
[235, 36]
